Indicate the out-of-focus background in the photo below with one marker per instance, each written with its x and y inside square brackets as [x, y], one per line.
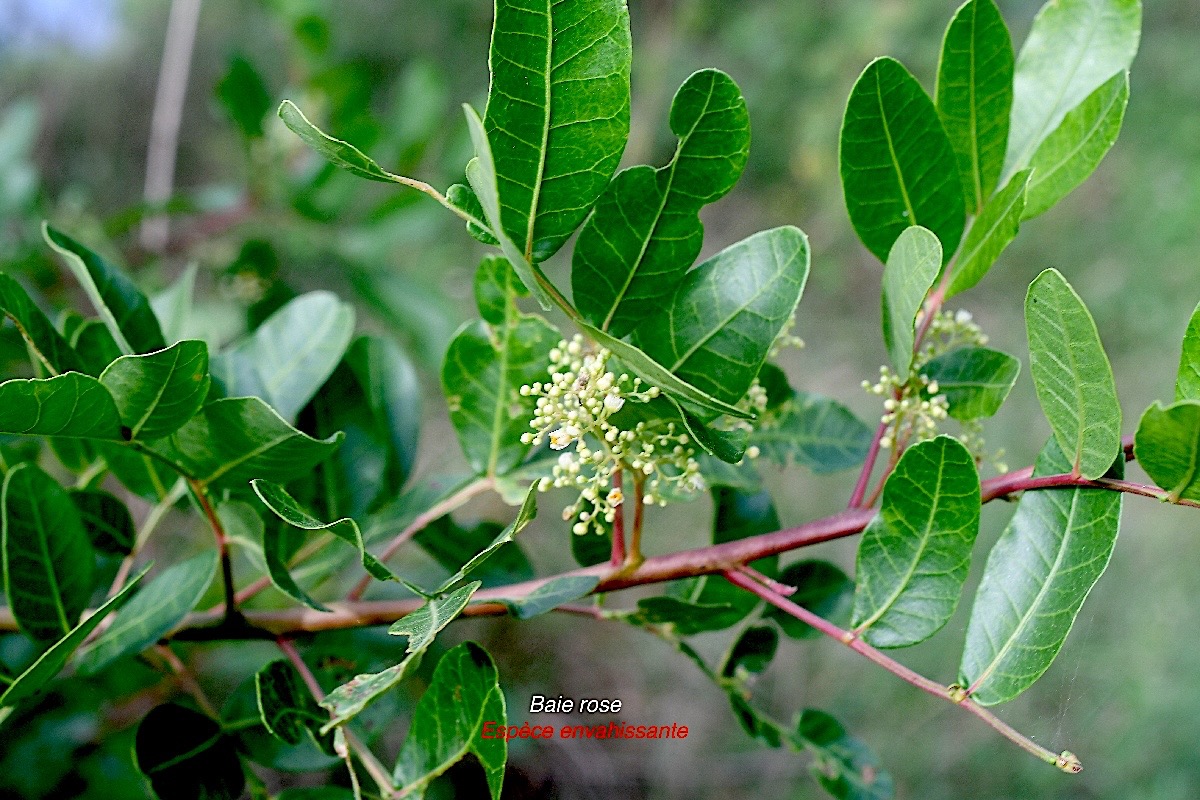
[262, 219]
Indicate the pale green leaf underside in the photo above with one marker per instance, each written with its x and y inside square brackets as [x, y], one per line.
[1167, 446]
[72, 405]
[1072, 375]
[157, 393]
[1037, 576]
[424, 624]
[974, 380]
[912, 267]
[914, 555]
[989, 234]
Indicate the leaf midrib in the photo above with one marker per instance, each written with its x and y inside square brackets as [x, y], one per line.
[887, 136]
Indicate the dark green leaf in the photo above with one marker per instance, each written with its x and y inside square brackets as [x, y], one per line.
[843, 765]
[646, 229]
[452, 546]
[989, 234]
[822, 588]
[106, 520]
[1077, 146]
[72, 405]
[1071, 373]
[974, 95]
[550, 595]
[54, 353]
[1037, 576]
[290, 355]
[737, 514]
[235, 440]
[1187, 382]
[31, 682]
[914, 555]
[157, 393]
[722, 321]
[288, 709]
[897, 164]
[1167, 446]
[152, 613]
[817, 432]
[728, 446]
[94, 346]
[751, 653]
[449, 720]
[47, 558]
[122, 306]
[912, 267]
[686, 618]
[974, 380]
[557, 115]
[1073, 47]
[524, 516]
[142, 474]
[186, 756]
[245, 97]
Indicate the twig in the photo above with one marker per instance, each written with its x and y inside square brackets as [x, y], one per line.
[200, 492]
[864, 475]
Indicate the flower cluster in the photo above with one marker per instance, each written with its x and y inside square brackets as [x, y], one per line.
[574, 413]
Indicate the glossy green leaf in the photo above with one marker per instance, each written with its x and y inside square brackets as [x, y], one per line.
[897, 164]
[843, 765]
[122, 306]
[235, 440]
[94, 346]
[287, 508]
[1077, 146]
[524, 516]
[107, 521]
[53, 351]
[142, 474]
[157, 393]
[290, 355]
[974, 95]
[557, 115]
[726, 314]
[482, 376]
[449, 719]
[550, 595]
[914, 555]
[974, 380]
[72, 405]
[1071, 373]
[1073, 48]
[1167, 446]
[912, 267]
[751, 653]
[152, 613]
[646, 229]
[990, 232]
[424, 624]
[462, 197]
[452, 546]
[496, 288]
[47, 558]
[1037, 576]
[1187, 382]
[244, 96]
[186, 756]
[287, 707]
[729, 446]
[815, 431]
[822, 588]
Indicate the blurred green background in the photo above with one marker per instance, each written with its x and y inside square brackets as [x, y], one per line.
[262, 219]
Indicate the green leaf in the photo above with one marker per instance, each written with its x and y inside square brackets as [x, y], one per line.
[557, 115]
[290, 355]
[141, 474]
[30, 683]
[461, 196]
[974, 380]
[94, 346]
[496, 289]
[843, 765]
[1187, 382]
[1077, 146]
[728, 446]
[726, 314]
[72, 405]
[186, 756]
[482, 377]
[1073, 48]
[173, 306]
[822, 588]
[737, 514]
[974, 95]
[53, 351]
[550, 595]
[246, 527]
[287, 707]
[751, 652]
[815, 431]
[152, 613]
[288, 509]
[914, 555]
[452, 546]
[157, 393]
[449, 719]
[106, 519]
[245, 97]
[912, 267]
[686, 617]
[47, 558]
[645, 231]
[335, 151]
[1071, 373]
[122, 306]
[235, 440]
[989, 234]
[1037, 576]
[424, 624]
[897, 164]
[1167, 446]
[524, 516]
